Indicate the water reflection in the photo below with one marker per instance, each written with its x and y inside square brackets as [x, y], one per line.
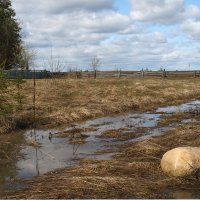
[9, 152]
[194, 105]
[51, 152]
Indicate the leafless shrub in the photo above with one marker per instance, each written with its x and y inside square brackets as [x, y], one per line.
[95, 64]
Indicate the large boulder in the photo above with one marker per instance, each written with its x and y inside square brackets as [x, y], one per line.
[181, 161]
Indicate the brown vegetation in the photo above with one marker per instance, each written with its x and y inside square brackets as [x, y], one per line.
[62, 101]
[133, 173]
[121, 134]
[75, 135]
[176, 117]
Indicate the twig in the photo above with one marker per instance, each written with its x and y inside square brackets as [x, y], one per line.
[47, 154]
[6, 155]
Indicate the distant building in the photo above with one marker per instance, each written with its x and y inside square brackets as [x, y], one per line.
[17, 71]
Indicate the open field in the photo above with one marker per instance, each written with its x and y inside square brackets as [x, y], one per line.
[60, 102]
[134, 172]
[100, 99]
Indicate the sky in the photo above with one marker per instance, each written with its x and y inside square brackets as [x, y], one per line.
[123, 34]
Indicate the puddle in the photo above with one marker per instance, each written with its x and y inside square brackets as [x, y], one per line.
[181, 108]
[56, 153]
[53, 153]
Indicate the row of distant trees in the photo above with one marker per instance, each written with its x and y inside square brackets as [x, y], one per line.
[12, 49]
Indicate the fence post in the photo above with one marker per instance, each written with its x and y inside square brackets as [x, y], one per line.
[81, 74]
[142, 73]
[164, 74]
[120, 73]
[95, 74]
[195, 74]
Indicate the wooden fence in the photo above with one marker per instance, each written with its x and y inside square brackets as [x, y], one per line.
[28, 74]
[128, 74]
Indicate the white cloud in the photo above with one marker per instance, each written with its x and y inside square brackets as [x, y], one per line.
[171, 55]
[192, 11]
[160, 11]
[160, 37]
[77, 30]
[192, 28]
[163, 11]
[62, 6]
[106, 22]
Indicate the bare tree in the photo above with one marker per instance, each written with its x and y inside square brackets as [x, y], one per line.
[55, 65]
[27, 57]
[94, 64]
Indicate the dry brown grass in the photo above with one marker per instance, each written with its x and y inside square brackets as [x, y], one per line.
[33, 143]
[121, 134]
[133, 173]
[176, 117]
[62, 101]
[75, 135]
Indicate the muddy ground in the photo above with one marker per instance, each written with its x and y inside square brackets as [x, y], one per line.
[134, 172]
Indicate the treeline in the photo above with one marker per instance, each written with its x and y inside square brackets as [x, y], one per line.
[10, 39]
[12, 50]
[12, 53]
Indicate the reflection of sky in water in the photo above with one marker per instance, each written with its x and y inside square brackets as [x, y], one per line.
[59, 153]
[182, 108]
[54, 154]
[131, 121]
